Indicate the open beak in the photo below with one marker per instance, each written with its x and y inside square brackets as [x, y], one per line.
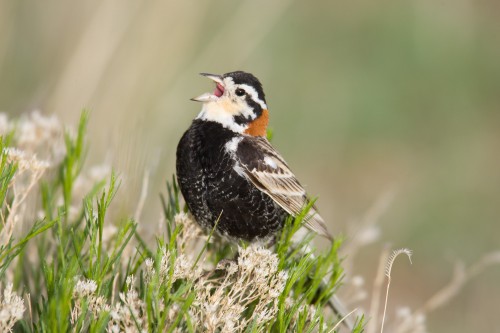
[219, 89]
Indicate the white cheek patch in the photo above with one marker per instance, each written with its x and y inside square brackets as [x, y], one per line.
[213, 112]
[270, 162]
[237, 108]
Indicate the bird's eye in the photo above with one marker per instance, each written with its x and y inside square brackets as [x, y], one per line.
[240, 92]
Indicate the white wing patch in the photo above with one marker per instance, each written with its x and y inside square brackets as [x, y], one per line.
[270, 161]
[232, 145]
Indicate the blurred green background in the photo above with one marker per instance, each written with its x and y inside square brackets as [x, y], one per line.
[366, 97]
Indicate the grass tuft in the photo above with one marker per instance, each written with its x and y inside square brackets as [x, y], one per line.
[86, 270]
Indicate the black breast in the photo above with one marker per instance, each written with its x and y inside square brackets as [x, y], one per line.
[212, 188]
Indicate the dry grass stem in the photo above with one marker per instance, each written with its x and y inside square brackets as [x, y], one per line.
[342, 320]
[388, 270]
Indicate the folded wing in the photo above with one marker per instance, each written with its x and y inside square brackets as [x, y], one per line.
[267, 170]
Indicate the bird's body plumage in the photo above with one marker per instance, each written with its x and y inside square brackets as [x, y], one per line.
[213, 189]
[230, 174]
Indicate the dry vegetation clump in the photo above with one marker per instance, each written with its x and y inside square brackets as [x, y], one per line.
[83, 269]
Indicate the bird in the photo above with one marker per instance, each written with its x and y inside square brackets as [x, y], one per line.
[231, 177]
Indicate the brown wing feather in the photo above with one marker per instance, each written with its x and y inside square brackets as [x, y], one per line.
[269, 172]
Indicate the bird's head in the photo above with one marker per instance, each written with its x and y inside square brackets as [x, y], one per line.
[238, 103]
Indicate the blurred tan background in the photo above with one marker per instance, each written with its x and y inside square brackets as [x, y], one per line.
[366, 98]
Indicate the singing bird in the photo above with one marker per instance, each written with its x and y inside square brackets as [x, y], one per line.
[229, 173]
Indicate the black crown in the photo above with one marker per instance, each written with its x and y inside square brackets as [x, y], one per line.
[240, 77]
